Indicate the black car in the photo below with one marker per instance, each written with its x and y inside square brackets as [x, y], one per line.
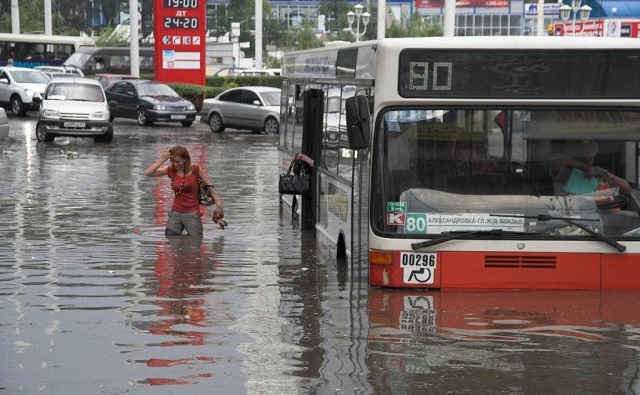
[148, 102]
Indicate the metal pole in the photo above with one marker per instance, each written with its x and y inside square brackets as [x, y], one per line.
[449, 24]
[540, 17]
[15, 17]
[48, 30]
[382, 18]
[258, 41]
[133, 38]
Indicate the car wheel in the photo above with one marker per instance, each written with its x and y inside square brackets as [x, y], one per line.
[42, 135]
[17, 108]
[215, 122]
[271, 126]
[186, 123]
[142, 117]
[105, 138]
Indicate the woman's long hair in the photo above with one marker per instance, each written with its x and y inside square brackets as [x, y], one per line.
[182, 153]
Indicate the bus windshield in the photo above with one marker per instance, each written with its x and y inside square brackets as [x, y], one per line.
[447, 170]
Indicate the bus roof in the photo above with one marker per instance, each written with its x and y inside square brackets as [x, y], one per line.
[44, 38]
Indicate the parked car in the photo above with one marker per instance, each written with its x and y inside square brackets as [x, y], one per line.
[255, 108]
[60, 69]
[227, 71]
[256, 72]
[4, 124]
[108, 79]
[74, 106]
[148, 102]
[18, 87]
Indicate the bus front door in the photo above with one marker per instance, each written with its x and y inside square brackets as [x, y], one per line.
[313, 102]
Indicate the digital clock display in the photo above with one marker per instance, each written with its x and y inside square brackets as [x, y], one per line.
[191, 4]
[525, 74]
[190, 23]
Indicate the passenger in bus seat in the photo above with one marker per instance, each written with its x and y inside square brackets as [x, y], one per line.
[580, 155]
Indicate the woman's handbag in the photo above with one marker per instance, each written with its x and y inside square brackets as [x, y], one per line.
[204, 196]
[295, 184]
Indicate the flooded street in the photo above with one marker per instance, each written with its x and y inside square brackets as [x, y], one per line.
[94, 299]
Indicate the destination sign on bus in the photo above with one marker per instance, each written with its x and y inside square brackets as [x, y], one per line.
[513, 74]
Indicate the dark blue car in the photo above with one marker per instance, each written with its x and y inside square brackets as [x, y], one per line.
[148, 102]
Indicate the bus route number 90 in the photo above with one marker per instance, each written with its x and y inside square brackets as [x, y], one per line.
[418, 268]
[439, 73]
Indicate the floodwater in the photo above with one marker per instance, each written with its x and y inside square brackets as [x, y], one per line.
[95, 300]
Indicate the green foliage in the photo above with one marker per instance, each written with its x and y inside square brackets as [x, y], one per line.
[416, 28]
[107, 38]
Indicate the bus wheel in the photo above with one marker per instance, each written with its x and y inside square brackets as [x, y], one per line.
[17, 108]
[42, 135]
[215, 123]
[271, 126]
[142, 117]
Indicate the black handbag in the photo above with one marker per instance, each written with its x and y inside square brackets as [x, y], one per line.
[295, 184]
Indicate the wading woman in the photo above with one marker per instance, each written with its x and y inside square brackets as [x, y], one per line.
[186, 212]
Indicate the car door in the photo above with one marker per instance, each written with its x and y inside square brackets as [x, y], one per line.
[131, 99]
[233, 110]
[117, 97]
[5, 89]
[251, 110]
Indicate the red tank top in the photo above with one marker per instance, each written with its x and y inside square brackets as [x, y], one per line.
[185, 189]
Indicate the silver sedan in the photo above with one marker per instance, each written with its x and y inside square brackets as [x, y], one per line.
[254, 108]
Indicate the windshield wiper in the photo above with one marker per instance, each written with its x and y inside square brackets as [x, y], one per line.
[461, 235]
[570, 221]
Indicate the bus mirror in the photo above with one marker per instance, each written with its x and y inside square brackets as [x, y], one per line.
[358, 119]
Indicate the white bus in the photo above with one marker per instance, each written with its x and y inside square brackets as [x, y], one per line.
[31, 50]
[471, 162]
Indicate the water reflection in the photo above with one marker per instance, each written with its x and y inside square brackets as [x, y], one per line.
[182, 268]
[505, 341]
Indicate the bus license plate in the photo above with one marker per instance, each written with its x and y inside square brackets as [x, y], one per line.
[74, 124]
[418, 268]
[178, 117]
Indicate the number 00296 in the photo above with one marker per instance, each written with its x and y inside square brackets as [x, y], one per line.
[417, 260]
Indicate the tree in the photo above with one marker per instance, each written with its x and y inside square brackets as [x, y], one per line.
[416, 28]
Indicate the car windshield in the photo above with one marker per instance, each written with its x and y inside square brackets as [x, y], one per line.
[451, 169]
[78, 59]
[74, 92]
[271, 98]
[156, 90]
[29, 76]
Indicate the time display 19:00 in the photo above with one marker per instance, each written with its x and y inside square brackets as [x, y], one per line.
[180, 22]
[181, 4]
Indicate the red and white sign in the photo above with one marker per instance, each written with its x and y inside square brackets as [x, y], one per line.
[180, 54]
[396, 218]
[599, 28]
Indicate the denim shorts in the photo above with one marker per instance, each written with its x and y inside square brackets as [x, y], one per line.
[179, 222]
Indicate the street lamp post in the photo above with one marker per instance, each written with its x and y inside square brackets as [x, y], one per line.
[357, 15]
[565, 12]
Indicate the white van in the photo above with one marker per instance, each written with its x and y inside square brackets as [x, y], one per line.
[74, 106]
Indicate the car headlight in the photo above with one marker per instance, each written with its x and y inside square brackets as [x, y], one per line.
[191, 107]
[160, 107]
[50, 114]
[100, 115]
[29, 92]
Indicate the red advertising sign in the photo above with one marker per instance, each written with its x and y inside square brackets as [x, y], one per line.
[180, 47]
[599, 28]
[463, 3]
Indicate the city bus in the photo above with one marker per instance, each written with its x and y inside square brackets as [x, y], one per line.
[471, 162]
[31, 50]
[116, 60]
